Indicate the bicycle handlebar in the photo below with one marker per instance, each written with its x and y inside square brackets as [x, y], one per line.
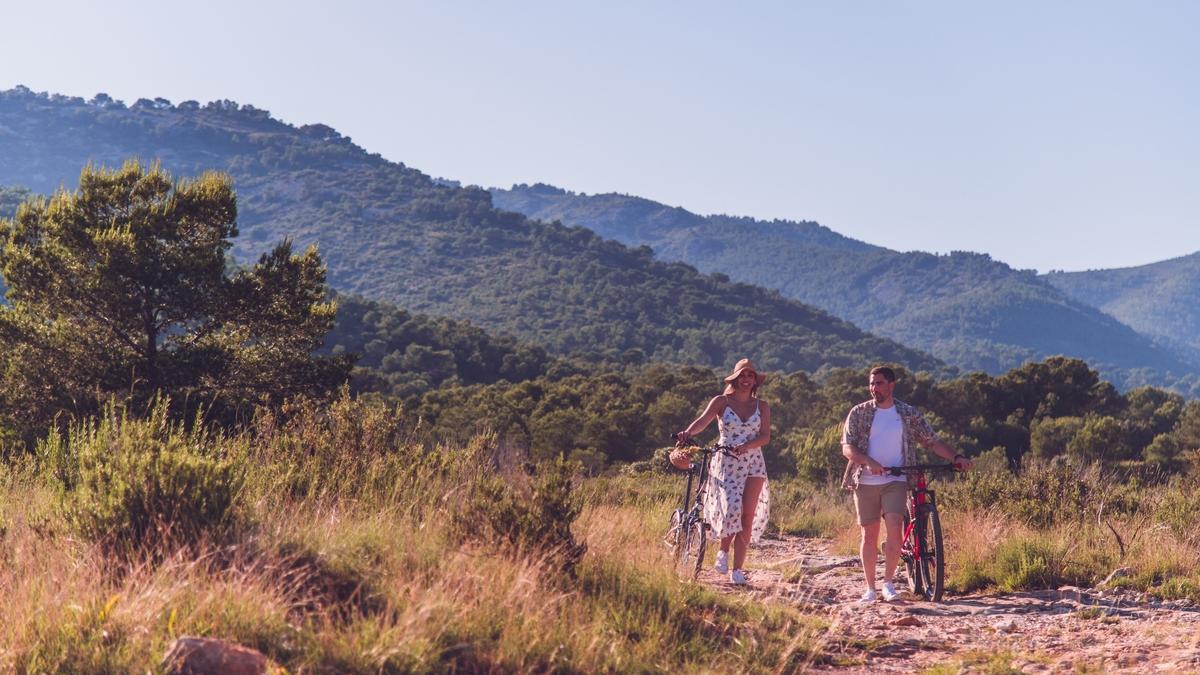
[917, 468]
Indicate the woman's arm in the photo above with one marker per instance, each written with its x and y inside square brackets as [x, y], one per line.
[764, 431]
[710, 413]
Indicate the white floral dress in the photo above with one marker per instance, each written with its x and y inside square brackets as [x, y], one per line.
[727, 478]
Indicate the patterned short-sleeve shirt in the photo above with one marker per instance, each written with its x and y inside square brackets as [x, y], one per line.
[857, 432]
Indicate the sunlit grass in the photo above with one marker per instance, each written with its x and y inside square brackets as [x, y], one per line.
[354, 577]
[365, 563]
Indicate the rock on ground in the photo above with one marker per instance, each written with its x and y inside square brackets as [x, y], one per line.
[207, 656]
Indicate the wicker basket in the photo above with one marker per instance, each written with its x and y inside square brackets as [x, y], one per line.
[681, 459]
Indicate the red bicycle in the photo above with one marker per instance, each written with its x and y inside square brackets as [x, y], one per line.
[921, 550]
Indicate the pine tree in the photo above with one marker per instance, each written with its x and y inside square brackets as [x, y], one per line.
[122, 288]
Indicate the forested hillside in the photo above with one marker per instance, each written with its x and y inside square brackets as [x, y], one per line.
[389, 232]
[1161, 299]
[403, 354]
[964, 308]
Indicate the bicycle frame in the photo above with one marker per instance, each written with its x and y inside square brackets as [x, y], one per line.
[690, 518]
[922, 545]
[918, 496]
[701, 476]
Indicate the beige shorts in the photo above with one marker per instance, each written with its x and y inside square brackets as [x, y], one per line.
[871, 501]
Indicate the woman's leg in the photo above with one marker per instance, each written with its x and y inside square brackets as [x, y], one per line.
[741, 540]
[725, 542]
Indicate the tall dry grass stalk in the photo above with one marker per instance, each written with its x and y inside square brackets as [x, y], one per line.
[362, 562]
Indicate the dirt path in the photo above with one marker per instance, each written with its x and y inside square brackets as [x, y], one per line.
[1064, 630]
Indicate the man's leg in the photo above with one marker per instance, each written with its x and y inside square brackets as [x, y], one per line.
[868, 550]
[868, 505]
[893, 504]
[891, 550]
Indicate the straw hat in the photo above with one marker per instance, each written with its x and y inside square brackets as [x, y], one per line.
[744, 364]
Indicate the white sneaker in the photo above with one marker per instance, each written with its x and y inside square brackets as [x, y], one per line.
[722, 565]
[738, 577]
[868, 595]
[889, 592]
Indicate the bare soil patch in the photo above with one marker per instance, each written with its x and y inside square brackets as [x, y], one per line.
[1062, 630]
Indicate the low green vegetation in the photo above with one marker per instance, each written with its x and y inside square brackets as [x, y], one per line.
[141, 486]
[1016, 532]
[452, 570]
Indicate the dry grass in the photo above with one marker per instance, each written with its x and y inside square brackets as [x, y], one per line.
[333, 582]
[355, 559]
[988, 549]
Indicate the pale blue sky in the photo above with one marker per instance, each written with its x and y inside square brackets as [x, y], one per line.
[1049, 134]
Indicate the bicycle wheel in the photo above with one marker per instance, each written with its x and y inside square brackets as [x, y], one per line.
[933, 557]
[910, 562]
[674, 535]
[694, 538]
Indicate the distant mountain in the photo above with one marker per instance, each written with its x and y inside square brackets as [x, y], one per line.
[389, 232]
[965, 308]
[10, 198]
[1161, 299]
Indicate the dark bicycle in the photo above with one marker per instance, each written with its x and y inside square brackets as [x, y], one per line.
[687, 535]
[921, 550]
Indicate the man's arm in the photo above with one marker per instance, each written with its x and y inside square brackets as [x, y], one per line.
[857, 456]
[942, 449]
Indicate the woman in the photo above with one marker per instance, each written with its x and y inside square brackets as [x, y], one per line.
[736, 499]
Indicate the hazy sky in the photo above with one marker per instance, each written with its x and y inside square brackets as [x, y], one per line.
[1058, 135]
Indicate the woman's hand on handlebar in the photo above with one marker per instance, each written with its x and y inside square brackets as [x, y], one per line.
[682, 438]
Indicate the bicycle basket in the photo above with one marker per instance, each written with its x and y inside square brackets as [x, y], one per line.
[681, 459]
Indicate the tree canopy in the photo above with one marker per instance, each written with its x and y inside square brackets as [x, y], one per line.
[121, 288]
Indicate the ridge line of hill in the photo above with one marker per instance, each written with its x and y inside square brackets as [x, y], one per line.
[391, 233]
[964, 308]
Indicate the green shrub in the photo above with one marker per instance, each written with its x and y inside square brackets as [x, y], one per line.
[143, 485]
[346, 448]
[537, 517]
[1042, 492]
[1179, 508]
[1048, 437]
[818, 456]
[1178, 588]
[1028, 564]
[969, 576]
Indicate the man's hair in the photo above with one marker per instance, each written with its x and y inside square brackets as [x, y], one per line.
[887, 373]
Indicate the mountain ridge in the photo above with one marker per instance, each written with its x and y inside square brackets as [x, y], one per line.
[970, 310]
[1159, 299]
[392, 233]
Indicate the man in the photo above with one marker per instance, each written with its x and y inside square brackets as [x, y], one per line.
[883, 432]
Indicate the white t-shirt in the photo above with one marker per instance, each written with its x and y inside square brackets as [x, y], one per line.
[885, 446]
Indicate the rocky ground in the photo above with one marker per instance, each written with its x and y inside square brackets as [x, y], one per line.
[1064, 630]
